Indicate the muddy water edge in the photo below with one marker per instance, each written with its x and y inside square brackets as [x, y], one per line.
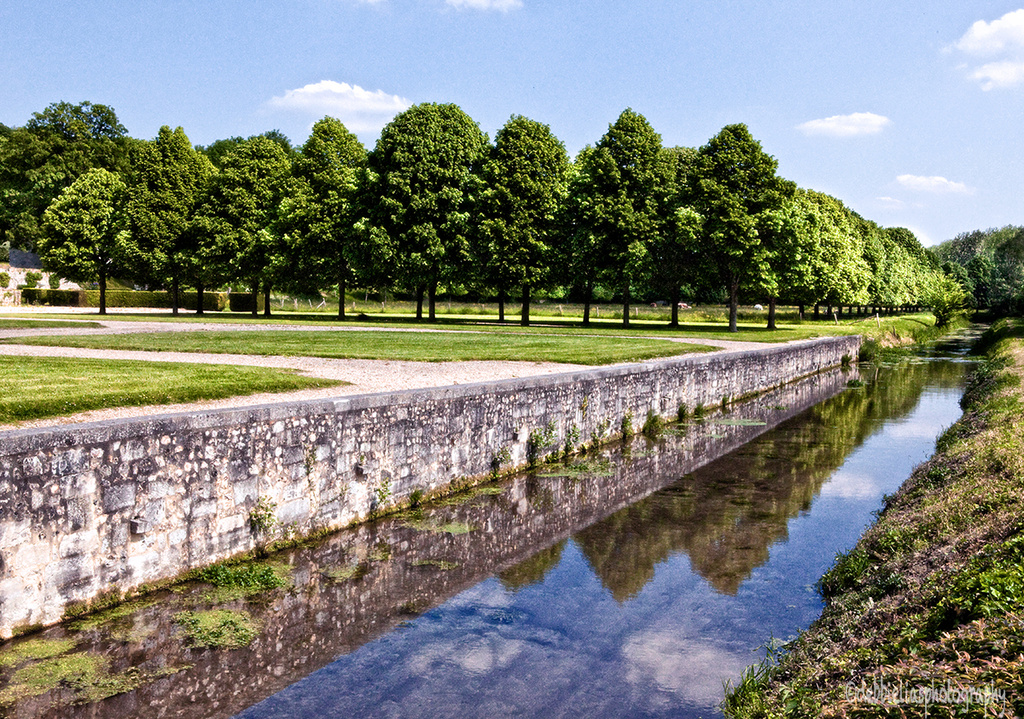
[632, 581]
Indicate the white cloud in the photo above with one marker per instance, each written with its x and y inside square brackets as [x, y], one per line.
[934, 184]
[502, 5]
[1005, 73]
[891, 203]
[360, 110]
[990, 38]
[858, 123]
[1001, 39]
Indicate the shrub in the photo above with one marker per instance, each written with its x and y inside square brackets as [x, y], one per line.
[32, 279]
[5, 280]
[58, 298]
[53, 281]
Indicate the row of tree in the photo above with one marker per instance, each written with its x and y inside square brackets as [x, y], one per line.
[437, 206]
[989, 265]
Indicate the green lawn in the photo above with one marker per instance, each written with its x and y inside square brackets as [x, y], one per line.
[26, 324]
[39, 387]
[370, 344]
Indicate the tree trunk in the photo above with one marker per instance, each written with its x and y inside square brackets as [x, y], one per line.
[734, 303]
[817, 311]
[266, 298]
[255, 298]
[524, 318]
[625, 306]
[341, 295]
[103, 289]
[174, 294]
[800, 312]
[419, 303]
[771, 313]
[501, 304]
[432, 296]
[586, 302]
[199, 298]
[674, 322]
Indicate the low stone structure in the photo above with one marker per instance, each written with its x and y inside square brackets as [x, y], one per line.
[108, 506]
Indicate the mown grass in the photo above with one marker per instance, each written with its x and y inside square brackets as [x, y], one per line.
[709, 322]
[40, 387]
[25, 324]
[933, 594]
[414, 346]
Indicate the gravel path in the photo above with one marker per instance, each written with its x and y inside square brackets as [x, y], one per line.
[365, 376]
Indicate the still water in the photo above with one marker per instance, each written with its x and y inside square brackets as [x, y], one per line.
[632, 583]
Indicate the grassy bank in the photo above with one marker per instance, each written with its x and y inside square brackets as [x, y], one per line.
[932, 597]
[40, 387]
[416, 346]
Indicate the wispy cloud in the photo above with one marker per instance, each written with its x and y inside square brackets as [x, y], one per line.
[934, 184]
[857, 123]
[361, 110]
[502, 5]
[1002, 40]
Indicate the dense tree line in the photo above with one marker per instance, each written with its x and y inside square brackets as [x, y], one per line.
[437, 207]
[989, 265]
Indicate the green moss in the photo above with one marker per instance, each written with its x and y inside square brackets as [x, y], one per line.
[218, 628]
[439, 563]
[577, 470]
[34, 649]
[343, 574]
[428, 525]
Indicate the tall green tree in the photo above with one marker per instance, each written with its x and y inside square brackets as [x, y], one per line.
[629, 180]
[735, 184]
[318, 214]
[168, 179]
[675, 249]
[423, 173]
[524, 183]
[41, 159]
[86, 235]
[242, 213]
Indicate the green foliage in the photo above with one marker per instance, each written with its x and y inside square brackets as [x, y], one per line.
[218, 628]
[537, 441]
[524, 183]
[32, 279]
[262, 516]
[422, 176]
[5, 280]
[948, 300]
[254, 577]
[86, 230]
[653, 425]
[991, 586]
[318, 214]
[501, 458]
[626, 425]
[734, 189]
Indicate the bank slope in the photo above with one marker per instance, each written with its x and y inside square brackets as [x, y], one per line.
[929, 606]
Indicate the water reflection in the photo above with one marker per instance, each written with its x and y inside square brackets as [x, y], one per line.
[630, 585]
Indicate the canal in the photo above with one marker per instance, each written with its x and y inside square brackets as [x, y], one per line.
[633, 581]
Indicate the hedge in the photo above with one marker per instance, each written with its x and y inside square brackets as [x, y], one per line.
[212, 301]
[242, 302]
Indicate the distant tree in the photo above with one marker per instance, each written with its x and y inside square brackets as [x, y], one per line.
[86, 235]
[525, 181]
[168, 179]
[242, 213]
[628, 182]
[675, 248]
[423, 179]
[217, 149]
[735, 184]
[317, 213]
[41, 159]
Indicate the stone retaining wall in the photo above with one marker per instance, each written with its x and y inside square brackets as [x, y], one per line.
[108, 506]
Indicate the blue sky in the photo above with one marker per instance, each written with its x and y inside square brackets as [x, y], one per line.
[909, 112]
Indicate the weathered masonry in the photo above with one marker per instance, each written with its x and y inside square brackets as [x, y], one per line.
[90, 508]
